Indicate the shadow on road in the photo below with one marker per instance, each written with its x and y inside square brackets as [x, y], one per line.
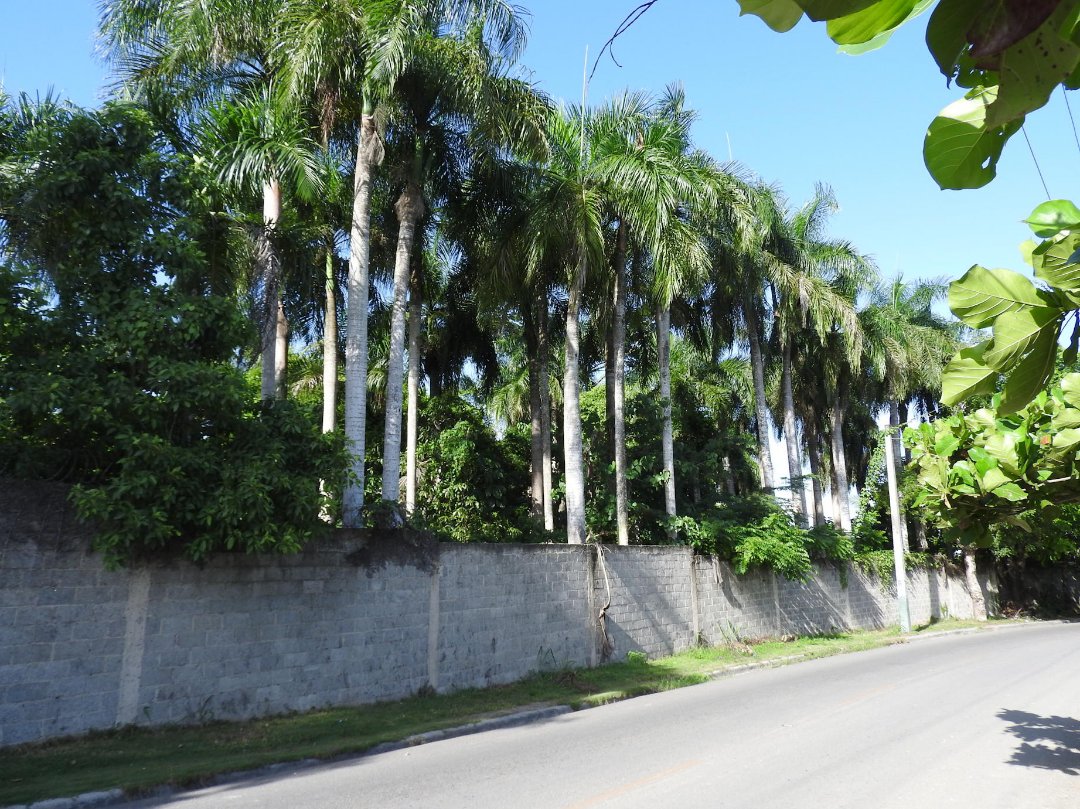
[1046, 742]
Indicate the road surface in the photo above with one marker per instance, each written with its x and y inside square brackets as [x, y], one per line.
[986, 721]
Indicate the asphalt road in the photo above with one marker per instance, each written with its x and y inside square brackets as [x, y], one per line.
[982, 721]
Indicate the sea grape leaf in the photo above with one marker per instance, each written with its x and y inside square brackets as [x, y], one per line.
[1031, 374]
[1052, 217]
[967, 375]
[946, 32]
[779, 15]
[1016, 332]
[981, 295]
[865, 24]
[960, 150]
[1003, 23]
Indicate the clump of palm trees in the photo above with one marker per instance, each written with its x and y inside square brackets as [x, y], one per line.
[478, 239]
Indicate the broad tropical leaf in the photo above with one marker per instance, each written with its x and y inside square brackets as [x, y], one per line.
[1055, 261]
[1031, 374]
[1051, 217]
[779, 15]
[961, 150]
[967, 374]
[868, 23]
[1016, 332]
[981, 295]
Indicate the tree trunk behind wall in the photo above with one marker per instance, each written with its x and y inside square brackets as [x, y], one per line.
[369, 153]
[813, 445]
[409, 209]
[575, 480]
[415, 303]
[536, 430]
[272, 378]
[663, 358]
[791, 439]
[617, 349]
[543, 350]
[761, 409]
[330, 347]
[842, 495]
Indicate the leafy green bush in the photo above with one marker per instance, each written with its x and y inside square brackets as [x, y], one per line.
[776, 543]
[118, 358]
[471, 486]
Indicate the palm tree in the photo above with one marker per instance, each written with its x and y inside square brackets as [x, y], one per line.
[811, 274]
[215, 50]
[567, 231]
[907, 346]
[260, 143]
[455, 102]
[640, 153]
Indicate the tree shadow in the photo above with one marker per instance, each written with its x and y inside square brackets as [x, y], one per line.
[1046, 742]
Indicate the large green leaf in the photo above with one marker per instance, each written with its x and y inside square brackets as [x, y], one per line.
[1016, 332]
[960, 150]
[1052, 217]
[1070, 389]
[1033, 67]
[819, 10]
[1011, 492]
[992, 479]
[1031, 374]
[779, 15]
[981, 295]
[1054, 261]
[1002, 447]
[967, 375]
[870, 22]
[946, 32]
[877, 41]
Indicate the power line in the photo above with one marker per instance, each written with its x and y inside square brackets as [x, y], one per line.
[1072, 119]
[1036, 161]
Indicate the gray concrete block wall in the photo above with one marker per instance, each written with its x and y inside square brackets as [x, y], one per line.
[61, 621]
[82, 648]
[651, 599]
[732, 607]
[505, 611]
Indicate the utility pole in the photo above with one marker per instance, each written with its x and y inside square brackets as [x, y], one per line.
[897, 533]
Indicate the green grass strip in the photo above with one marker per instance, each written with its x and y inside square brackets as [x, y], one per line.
[139, 759]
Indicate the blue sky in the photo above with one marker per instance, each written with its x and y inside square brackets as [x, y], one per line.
[789, 107]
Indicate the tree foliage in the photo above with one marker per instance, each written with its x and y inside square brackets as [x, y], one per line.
[118, 370]
[1008, 56]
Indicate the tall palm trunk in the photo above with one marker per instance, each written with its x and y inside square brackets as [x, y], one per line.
[409, 209]
[414, 392]
[368, 155]
[663, 359]
[791, 438]
[761, 410]
[329, 361]
[839, 461]
[543, 352]
[575, 480]
[813, 447]
[617, 350]
[536, 446]
[273, 371]
[898, 460]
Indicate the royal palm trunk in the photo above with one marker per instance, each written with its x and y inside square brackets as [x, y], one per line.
[409, 209]
[368, 154]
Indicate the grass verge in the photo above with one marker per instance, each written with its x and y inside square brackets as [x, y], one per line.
[139, 759]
